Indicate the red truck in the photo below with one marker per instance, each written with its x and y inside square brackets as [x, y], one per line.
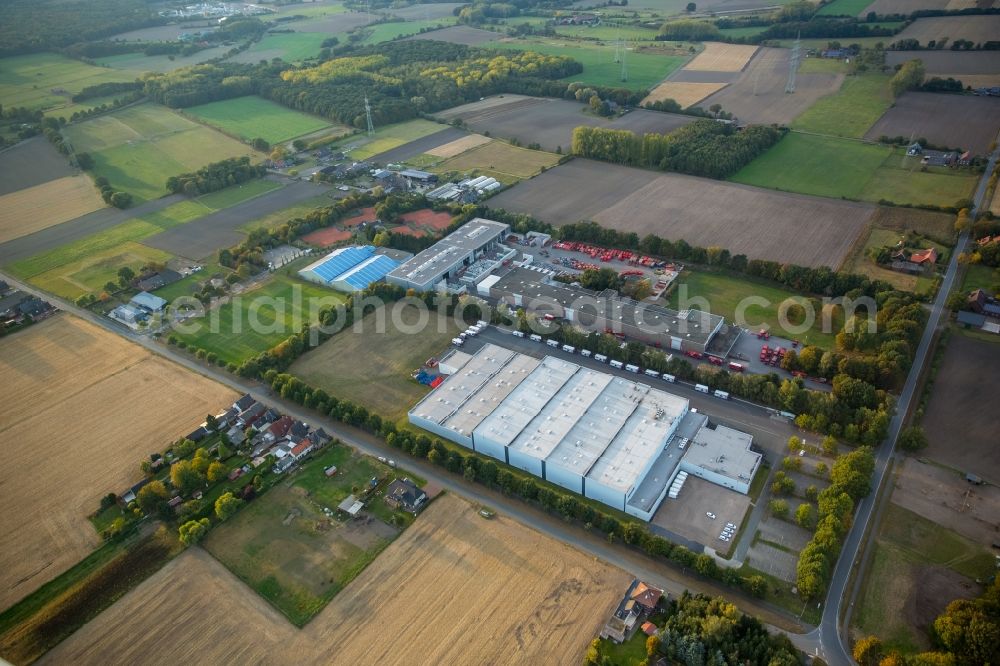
[715, 360]
[735, 367]
[694, 354]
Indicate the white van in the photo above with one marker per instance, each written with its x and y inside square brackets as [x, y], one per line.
[482, 324]
[585, 353]
[617, 364]
[651, 373]
[518, 334]
[569, 349]
[632, 368]
[722, 395]
[600, 358]
[535, 337]
[552, 342]
[701, 388]
[669, 378]
[472, 330]
[458, 342]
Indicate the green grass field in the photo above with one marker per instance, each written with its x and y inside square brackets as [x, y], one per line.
[843, 8]
[137, 64]
[258, 319]
[84, 266]
[843, 168]
[46, 80]
[645, 70]
[290, 47]
[139, 147]
[386, 138]
[852, 110]
[252, 117]
[374, 367]
[384, 32]
[981, 277]
[725, 292]
[742, 32]
[608, 32]
[292, 554]
[906, 545]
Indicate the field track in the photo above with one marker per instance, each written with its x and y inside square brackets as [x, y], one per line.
[86, 407]
[452, 586]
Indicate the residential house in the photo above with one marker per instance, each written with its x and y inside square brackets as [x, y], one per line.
[639, 601]
[283, 465]
[226, 418]
[278, 430]
[34, 308]
[154, 281]
[404, 494]
[4, 288]
[129, 495]
[302, 449]
[235, 435]
[646, 596]
[198, 434]
[928, 256]
[250, 415]
[319, 437]
[243, 403]
[982, 303]
[9, 310]
[298, 430]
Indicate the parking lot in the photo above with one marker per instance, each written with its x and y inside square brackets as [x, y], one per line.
[746, 351]
[687, 515]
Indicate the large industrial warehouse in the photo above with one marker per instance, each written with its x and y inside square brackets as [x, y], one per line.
[618, 441]
[652, 324]
[350, 269]
[476, 247]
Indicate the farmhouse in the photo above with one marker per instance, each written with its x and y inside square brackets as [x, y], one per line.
[350, 269]
[983, 303]
[154, 281]
[609, 438]
[689, 330]
[404, 494]
[479, 242]
[633, 607]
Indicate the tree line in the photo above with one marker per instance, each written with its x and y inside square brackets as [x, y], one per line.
[707, 148]
[215, 176]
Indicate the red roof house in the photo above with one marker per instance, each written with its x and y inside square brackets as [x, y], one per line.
[928, 256]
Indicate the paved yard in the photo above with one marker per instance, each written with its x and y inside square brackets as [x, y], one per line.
[686, 514]
[773, 561]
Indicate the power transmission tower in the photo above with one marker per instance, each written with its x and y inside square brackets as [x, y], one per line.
[624, 68]
[368, 116]
[793, 64]
[618, 49]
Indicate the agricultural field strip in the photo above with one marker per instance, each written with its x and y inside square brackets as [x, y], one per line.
[64, 376]
[523, 581]
[40, 206]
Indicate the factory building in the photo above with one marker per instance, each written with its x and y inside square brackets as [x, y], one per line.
[606, 437]
[458, 260]
[350, 269]
[687, 330]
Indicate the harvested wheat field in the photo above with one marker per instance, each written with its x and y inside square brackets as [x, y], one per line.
[453, 589]
[719, 57]
[42, 206]
[459, 146]
[684, 93]
[85, 407]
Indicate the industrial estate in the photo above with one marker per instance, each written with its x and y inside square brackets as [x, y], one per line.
[543, 332]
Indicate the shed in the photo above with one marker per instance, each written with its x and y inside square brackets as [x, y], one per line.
[351, 506]
[148, 302]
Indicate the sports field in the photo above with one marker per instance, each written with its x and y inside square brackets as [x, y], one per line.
[258, 319]
[35, 208]
[47, 80]
[645, 69]
[139, 147]
[502, 161]
[90, 405]
[851, 111]
[525, 598]
[724, 294]
[841, 168]
[372, 363]
[254, 117]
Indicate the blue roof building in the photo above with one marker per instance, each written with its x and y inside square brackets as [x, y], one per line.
[350, 268]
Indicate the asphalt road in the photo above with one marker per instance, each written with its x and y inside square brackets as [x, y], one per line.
[660, 574]
[831, 633]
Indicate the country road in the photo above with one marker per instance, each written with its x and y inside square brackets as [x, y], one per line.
[657, 573]
[836, 621]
